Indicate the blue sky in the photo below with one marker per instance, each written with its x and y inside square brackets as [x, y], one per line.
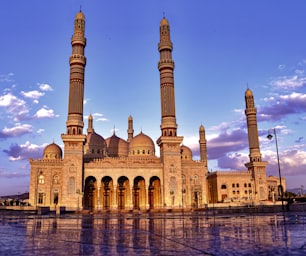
[219, 48]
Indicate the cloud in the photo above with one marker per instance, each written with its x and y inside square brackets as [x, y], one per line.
[14, 106]
[281, 66]
[32, 94]
[233, 161]
[11, 175]
[17, 130]
[45, 112]
[290, 82]
[24, 151]
[40, 131]
[227, 142]
[292, 162]
[281, 106]
[300, 139]
[45, 87]
[7, 78]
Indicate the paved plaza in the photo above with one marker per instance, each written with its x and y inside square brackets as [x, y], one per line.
[192, 233]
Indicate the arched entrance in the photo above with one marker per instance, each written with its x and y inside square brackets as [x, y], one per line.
[154, 193]
[107, 192]
[123, 194]
[90, 193]
[139, 193]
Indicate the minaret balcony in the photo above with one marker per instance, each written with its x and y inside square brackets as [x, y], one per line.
[166, 63]
[77, 58]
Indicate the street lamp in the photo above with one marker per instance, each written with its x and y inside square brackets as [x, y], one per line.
[280, 188]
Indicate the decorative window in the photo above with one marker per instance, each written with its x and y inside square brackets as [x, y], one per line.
[41, 179]
[183, 179]
[40, 198]
[237, 185]
[233, 185]
[71, 185]
[171, 169]
[56, 179]
[223, 186]
[196, 179]
[172, 185]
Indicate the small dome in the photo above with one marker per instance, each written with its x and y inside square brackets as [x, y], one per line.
[186, 153]
[141, 144]
[80, 16]
[53, 151]
[248, 93]
[116, 146]
[164, 21]
[202, 128]
[95, 145]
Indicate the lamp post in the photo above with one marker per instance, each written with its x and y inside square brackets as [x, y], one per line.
[280, 188]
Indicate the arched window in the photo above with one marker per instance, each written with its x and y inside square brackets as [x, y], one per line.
[196, 179]
[171, 169]
[183, 179]
[56, 179]
[223, 186]
[41, 179]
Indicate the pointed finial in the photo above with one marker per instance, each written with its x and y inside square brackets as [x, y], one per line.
[163, 14]
[114, 131]
[247, 85]
[80, 8]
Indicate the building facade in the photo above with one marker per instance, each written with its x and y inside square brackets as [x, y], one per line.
[113, 173]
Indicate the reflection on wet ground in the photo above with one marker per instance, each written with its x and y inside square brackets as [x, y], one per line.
[200, 233]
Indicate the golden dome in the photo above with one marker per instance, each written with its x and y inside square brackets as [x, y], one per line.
[116, 146]
[248, 93]
[186, 153]
[80, 16]
[202, 128]
[141, 144]
[53, 151]
[164, 22]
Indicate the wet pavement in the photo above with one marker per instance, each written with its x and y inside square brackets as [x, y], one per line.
[199, 233]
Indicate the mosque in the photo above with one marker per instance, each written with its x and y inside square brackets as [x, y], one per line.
[113, 173]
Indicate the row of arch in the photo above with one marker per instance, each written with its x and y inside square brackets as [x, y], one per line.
[122, 194]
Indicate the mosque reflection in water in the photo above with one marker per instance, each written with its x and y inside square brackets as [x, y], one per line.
[163, 234]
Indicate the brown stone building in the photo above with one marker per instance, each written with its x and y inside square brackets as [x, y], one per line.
[114, 173]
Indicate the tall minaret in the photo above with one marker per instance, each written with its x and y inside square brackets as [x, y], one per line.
[166, 67]
[130, 130]
[203, 148]
[256, 167]
[250, 113]
[74, 138]
[77, 63]
[169, 142]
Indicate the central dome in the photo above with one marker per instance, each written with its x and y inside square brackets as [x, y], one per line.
[141, 144]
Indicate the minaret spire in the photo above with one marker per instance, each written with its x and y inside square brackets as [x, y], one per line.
[77, 63]
[250, 113]
[166, 68]
[130, 130]
[203, 147]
